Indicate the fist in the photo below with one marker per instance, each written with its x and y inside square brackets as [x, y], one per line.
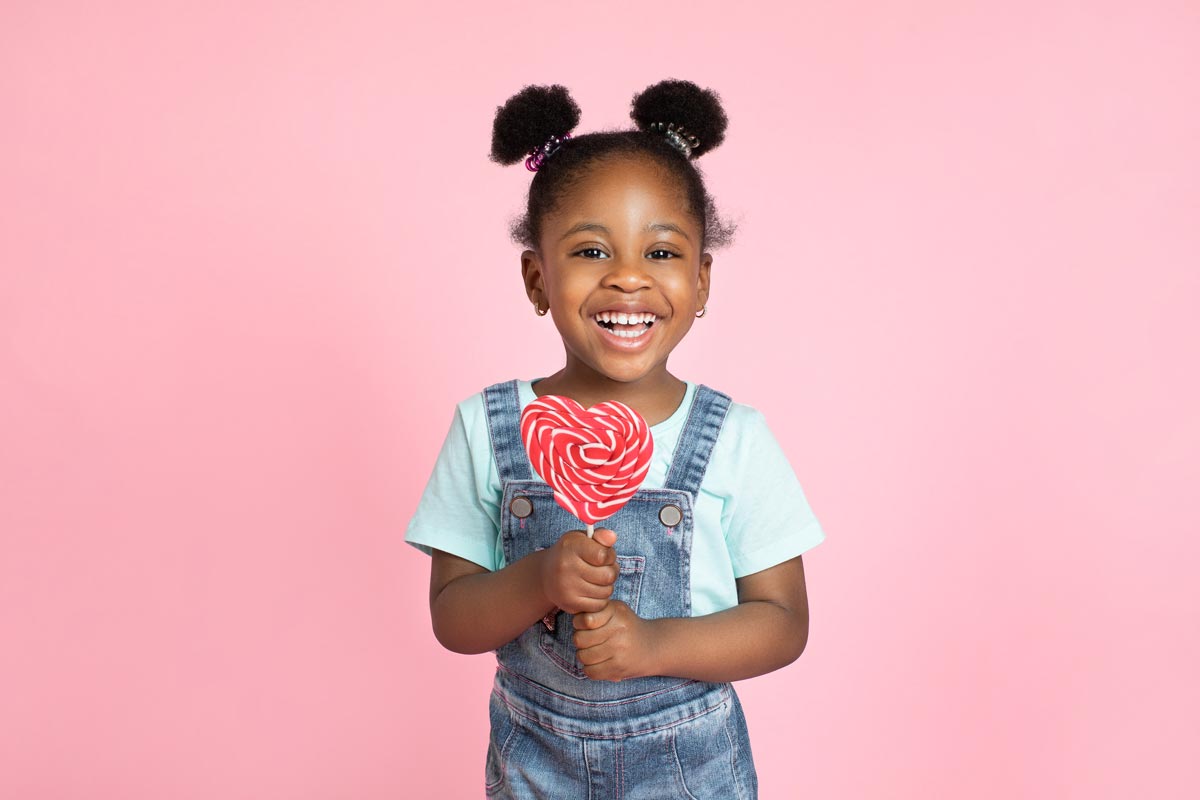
[578, 573]
[614, 643]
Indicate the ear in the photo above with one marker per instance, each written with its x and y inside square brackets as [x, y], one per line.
[531, 273]
[706, 260]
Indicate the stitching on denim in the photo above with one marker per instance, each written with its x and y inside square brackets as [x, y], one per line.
[504, 751]
[601, 704]
[674, 748]
[709, 408]
[710, 432]
[509, 742]
[587, 767]
[493, 407]
[620, 758]
[552, 727]
[733, 752]
[487, 397]
[559, 660]
[538, 487]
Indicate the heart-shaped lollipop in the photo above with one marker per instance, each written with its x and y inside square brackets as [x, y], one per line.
[595, 458]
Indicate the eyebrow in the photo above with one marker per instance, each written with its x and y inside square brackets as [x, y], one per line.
[653, 226]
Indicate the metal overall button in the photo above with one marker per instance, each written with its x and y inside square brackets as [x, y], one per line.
[670, 515]
[520, 507]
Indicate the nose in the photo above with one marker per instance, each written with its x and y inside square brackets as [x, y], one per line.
[628, 274]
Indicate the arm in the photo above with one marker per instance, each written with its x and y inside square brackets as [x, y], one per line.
[768, 629]
[475, 610]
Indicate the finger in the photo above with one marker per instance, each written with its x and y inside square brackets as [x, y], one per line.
[585, 639]
[587, 605]
[593, 619]
[598, 654]
[606, 670]
[600, 576]
[598, 555]
[594, 591]
[605, 537]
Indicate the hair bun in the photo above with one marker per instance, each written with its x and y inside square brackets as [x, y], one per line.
[698, 111]
[529, 118]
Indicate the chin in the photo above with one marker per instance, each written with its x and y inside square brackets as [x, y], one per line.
[629, 375]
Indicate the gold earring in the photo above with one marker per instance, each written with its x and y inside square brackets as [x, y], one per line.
[702, 312]
[537, 310]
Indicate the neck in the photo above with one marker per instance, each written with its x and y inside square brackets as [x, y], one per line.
[655, 396]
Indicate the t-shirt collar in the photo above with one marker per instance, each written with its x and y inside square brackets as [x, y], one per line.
[527, 395]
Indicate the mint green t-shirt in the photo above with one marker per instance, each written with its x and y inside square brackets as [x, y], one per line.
[751, 512]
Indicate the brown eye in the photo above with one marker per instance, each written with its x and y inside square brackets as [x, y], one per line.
[667, 252]
[588, 250]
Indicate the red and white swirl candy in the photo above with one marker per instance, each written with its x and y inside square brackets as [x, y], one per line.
[595, 458]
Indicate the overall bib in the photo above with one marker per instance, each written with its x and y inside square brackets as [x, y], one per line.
[557, 734]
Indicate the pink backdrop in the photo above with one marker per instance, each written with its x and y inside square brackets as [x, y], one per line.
[251, 256]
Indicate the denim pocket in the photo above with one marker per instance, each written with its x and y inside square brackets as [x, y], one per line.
[706, 757]
[628, 588]
[500, 742]
[559, 644]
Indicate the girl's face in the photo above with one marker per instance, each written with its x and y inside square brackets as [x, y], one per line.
[620, 243]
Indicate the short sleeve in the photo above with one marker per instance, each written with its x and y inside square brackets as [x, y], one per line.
[453, 515]
[767, 518]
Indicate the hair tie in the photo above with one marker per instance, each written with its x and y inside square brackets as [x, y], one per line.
[540, 154]
[680, 139]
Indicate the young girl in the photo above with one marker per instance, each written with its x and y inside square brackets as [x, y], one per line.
[615, 653]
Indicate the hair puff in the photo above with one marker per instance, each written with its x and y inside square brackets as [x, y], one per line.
[698, 111]
[529, 118]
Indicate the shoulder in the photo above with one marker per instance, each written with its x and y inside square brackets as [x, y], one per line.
[744, 426]
[745, 449]
[473, 411]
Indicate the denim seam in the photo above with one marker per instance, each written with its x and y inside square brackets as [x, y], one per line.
[620, 757]
[545, 642]
[614, 736]
[492, 410]
[679, 768]
[499, 398]
[505, 750]
[733, 753]
[587, 768]
[600, 704]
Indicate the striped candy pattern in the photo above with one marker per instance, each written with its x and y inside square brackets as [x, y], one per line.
[595, 458]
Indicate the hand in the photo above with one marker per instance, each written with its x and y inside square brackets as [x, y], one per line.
[578, 573]
[614, 643]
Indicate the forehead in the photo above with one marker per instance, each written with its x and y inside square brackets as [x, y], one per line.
[628, 191]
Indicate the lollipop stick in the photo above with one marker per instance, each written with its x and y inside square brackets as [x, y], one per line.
[591, 530]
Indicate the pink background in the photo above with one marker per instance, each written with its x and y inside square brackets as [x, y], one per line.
[251, 256]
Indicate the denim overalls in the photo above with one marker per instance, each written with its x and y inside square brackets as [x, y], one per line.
[555, 733]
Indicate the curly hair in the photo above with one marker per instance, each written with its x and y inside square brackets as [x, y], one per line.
[536, 113]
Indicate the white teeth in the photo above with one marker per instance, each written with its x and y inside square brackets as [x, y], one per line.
[640, 318]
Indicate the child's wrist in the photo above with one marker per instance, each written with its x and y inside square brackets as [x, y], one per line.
[654, 655]
[540, 565]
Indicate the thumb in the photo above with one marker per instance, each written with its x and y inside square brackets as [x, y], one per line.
[605, 537]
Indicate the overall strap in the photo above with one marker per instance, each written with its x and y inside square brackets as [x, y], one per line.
[696, 441]
[504, 428]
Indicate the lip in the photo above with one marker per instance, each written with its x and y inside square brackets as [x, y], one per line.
[627, 308]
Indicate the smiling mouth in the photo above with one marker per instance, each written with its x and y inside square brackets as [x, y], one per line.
[626, 326]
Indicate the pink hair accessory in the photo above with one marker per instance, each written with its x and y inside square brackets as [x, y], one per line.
[540, 154]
